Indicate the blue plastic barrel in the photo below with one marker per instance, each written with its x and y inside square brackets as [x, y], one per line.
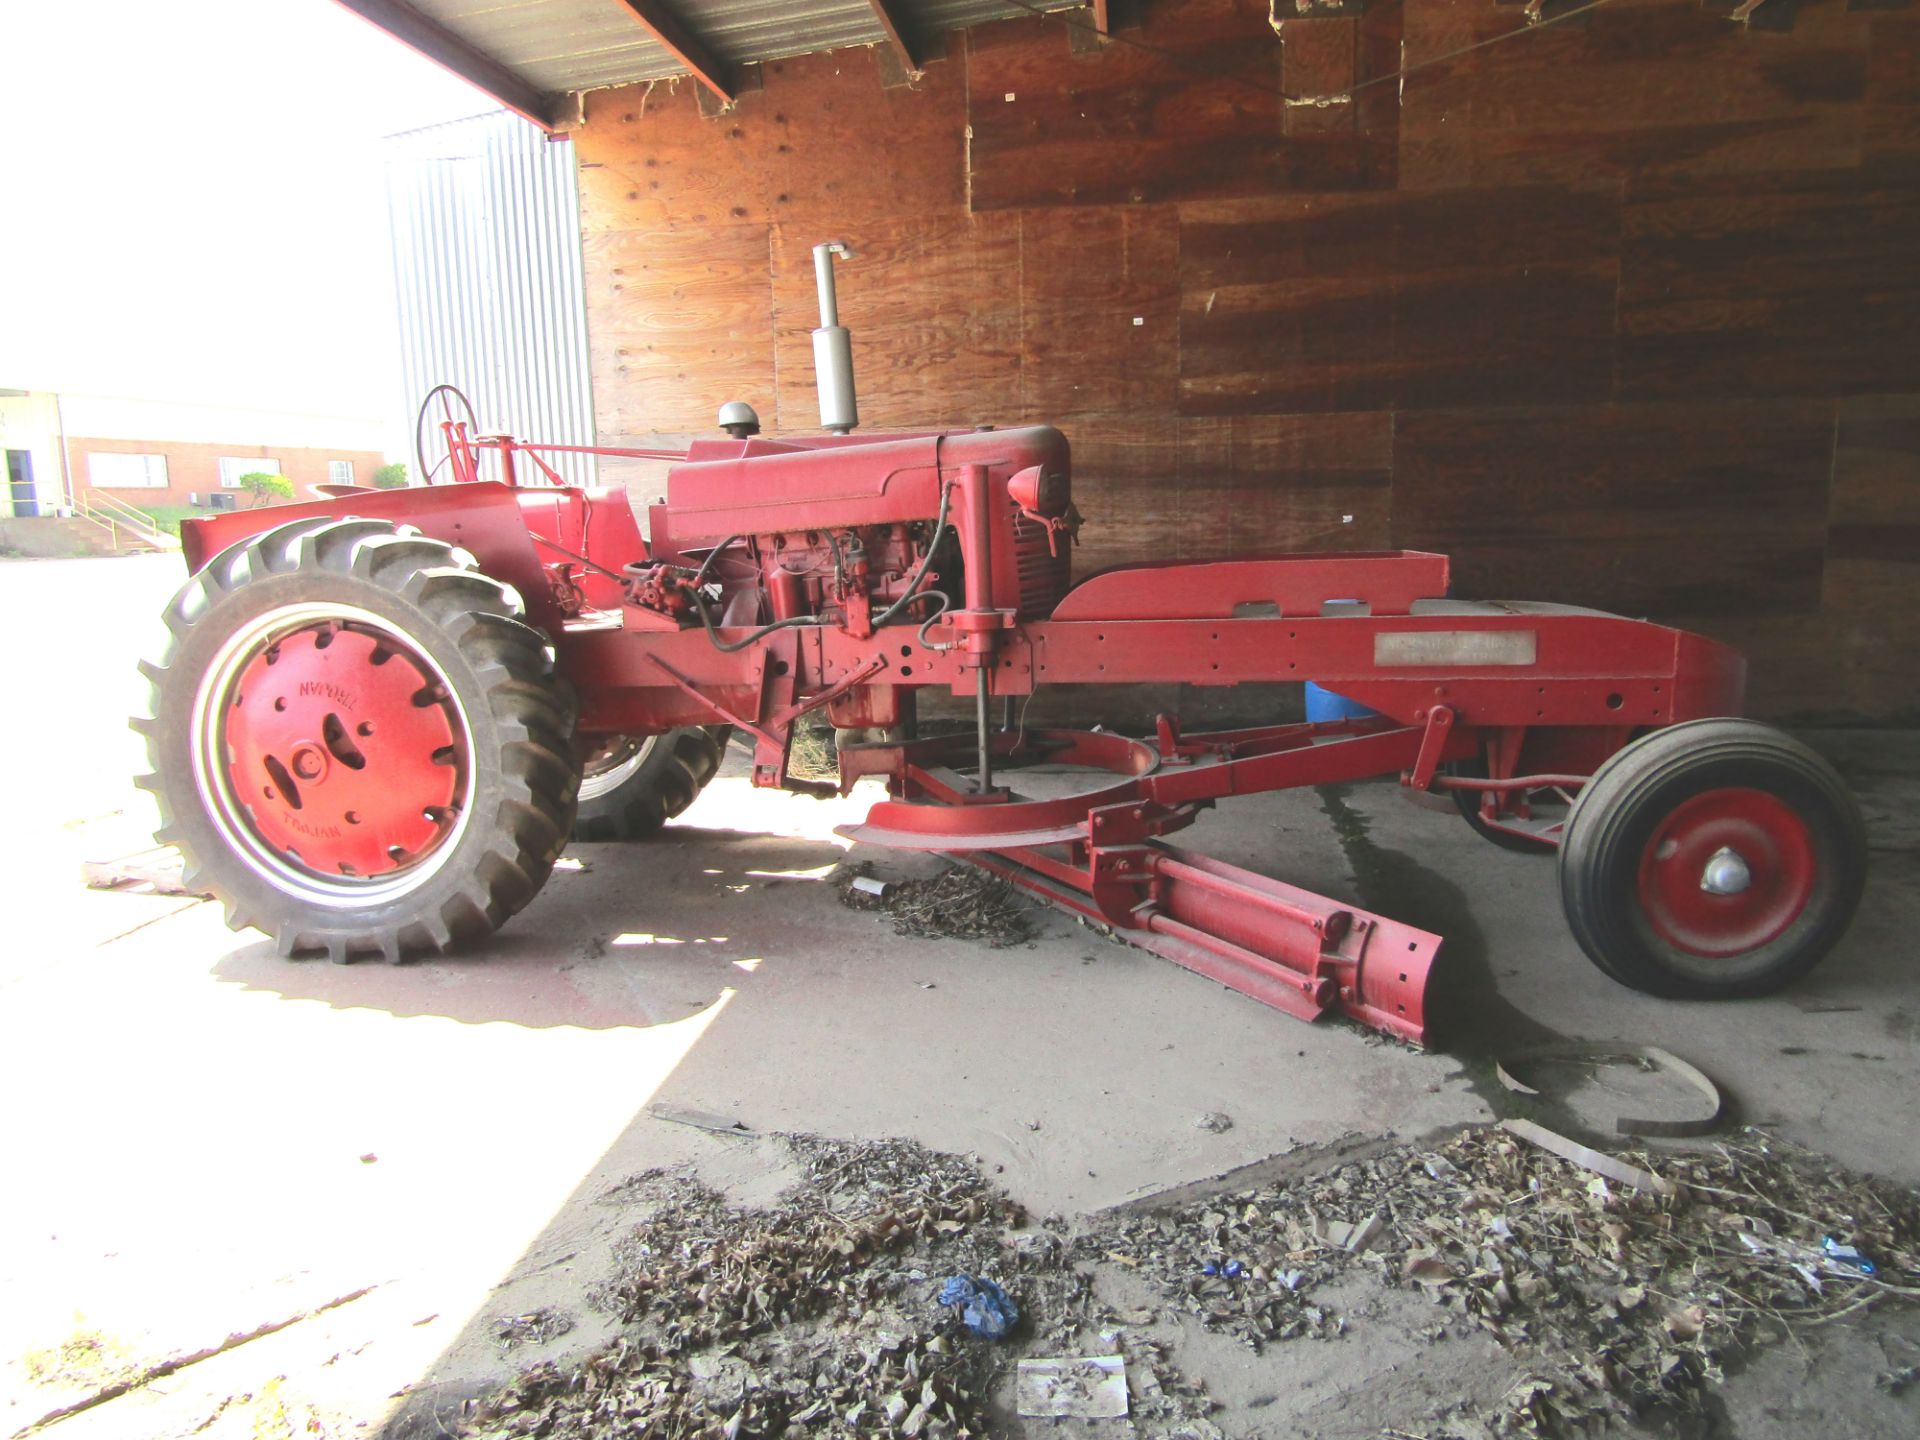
[1323, 704]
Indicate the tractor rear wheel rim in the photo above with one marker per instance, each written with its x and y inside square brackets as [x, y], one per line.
[612, 765]
[1727, 871]
[333, 754]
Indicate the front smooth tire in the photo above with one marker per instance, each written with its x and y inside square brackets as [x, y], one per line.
[1711, 860]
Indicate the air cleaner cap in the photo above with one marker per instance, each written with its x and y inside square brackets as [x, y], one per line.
[739, 420]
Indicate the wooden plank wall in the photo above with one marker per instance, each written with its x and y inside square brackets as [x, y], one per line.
[1622, 311]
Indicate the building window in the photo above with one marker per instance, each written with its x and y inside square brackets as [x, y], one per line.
[232, 468]
[127, 472]
[339, 472]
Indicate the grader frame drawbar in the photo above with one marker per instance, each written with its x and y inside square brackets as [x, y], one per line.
[538, 633]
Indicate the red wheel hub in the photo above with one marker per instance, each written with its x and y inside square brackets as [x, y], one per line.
[1726, 872]
[346, 751]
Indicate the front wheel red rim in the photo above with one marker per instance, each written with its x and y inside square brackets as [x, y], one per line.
[1727, 871]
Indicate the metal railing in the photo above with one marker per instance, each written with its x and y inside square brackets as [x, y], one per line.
[122, 521]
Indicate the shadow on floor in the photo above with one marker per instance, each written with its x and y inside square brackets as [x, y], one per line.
[621, 935]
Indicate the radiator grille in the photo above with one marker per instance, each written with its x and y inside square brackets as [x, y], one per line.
[1044, 576]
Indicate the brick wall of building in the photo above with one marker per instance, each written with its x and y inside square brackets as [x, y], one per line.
[194, 468]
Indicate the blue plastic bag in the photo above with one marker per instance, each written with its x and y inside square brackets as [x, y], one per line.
[985, 1309]
[1848, 1255]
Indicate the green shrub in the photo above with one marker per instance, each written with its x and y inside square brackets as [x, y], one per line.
[264, 487]
[390, 477]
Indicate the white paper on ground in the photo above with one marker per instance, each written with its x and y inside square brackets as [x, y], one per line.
[1089, 1387]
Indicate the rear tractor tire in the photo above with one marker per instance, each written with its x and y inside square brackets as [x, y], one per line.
[358, 744]
[631, 786]
[1712, 860]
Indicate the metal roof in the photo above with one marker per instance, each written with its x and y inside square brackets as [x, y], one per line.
[529, 52]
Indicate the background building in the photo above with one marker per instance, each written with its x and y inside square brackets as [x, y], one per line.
[163, 455]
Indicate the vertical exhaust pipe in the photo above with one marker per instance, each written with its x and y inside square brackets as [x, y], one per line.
[833, 348]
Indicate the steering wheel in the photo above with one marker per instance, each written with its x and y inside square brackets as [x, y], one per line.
[448, 399]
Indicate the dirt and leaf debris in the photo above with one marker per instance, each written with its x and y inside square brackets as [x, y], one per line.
[960, 903]
[535, 1327]
[817, 1315]
[1619, 1303]
[812, 755]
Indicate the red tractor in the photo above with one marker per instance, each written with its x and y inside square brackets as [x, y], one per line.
[382, 715]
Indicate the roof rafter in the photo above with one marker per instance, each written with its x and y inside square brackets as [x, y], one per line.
[686, 47]
[884, 12]
[447, 50]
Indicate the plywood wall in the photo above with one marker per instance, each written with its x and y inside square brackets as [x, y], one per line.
[1623, 311]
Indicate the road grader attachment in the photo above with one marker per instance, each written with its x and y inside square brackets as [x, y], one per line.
[382, 714]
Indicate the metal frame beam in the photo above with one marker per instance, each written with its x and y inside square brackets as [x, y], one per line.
[430, 38]
[884, 12]
[686, 47]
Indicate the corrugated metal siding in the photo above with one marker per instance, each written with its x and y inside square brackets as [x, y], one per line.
[485, 220]
[571, 45]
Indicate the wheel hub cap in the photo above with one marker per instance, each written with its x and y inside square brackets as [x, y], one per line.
[1726, 872]
[344, 751]
[309, 762]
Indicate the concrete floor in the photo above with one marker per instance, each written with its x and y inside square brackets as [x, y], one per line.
[205, 1140]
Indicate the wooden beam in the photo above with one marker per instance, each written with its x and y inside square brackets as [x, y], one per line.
[685, 47]
[430, 38]
[1094, 33]
[883, 11]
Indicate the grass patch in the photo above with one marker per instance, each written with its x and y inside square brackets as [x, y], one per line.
[87, 1357]
[167, 518]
